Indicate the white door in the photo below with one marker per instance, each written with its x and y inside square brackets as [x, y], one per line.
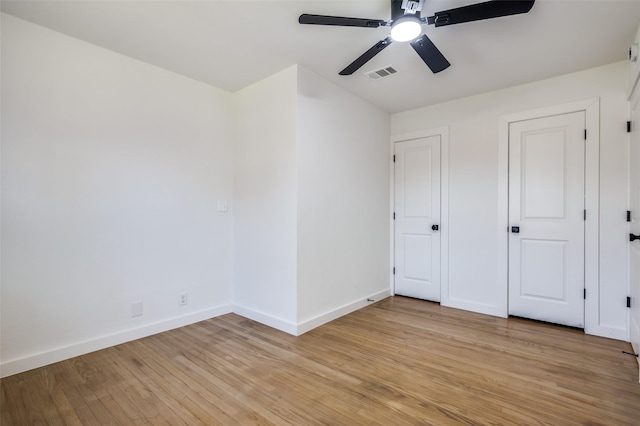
[547, 218]
[417, 218]
[635, 222]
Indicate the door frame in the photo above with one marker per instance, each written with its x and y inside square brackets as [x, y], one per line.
[443, 132]
[591, 107]
[633, 99]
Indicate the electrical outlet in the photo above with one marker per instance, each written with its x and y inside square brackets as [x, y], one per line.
[182, 298]
[136, 309]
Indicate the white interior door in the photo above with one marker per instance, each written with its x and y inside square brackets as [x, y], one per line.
[417, 218]
[547, 218]
[634, 249]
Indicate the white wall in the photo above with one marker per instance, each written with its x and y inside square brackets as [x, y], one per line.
[264, 203]
[311, 194]
[343, 201]
[473, 197]
[111, 169]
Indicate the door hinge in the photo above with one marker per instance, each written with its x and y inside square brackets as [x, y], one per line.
[628, 215]
[394, 158]
[628, 127]
[394, 270]
[584, 215]
[585, 294]
[628, 301]
[394, 215]
[585, 134]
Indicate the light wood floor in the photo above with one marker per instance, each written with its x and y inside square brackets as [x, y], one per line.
[397, 362]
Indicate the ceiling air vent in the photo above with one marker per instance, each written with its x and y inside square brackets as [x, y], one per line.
[381, 73]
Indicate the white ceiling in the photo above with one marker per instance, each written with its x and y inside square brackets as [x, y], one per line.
[232, 44]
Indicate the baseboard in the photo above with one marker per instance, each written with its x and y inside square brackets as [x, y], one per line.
[608, 332]
[266, 319]
[30, 362]
[479, 308]
[319, 320]
[19, 365]
[636, 350]
[310, 324]
[635, 333]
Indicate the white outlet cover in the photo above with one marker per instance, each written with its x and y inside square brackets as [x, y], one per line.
[222, 206]
[136, 309]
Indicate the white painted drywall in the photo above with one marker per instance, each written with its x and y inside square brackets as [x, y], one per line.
[265, 201]
[111, 169]
[473, 174]
[310, 201]
[343, 198]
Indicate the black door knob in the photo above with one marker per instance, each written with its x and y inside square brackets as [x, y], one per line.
[515, 229]
[634, 237]
[434, 227]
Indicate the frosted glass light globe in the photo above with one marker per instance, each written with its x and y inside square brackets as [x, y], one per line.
[406, 28]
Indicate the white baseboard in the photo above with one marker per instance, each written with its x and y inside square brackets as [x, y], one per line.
[266, 319]
[481, 308]
[19, 365]
[8, 368]
[608, 332]
[319, 320]
[635, 331]
[310, 324]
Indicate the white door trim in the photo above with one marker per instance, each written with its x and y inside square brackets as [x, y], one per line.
[633, 326]
[592, 184]
[443, 132]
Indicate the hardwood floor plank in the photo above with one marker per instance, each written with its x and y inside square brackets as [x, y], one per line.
[176, 399]
[399, 361]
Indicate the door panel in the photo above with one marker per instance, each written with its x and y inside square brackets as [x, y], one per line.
[417, 209]
[543, 267]
[417, 181]
[546, 203]
[543, 175]
[417, 248]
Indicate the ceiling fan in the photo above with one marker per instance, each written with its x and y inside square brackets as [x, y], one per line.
[406, 24]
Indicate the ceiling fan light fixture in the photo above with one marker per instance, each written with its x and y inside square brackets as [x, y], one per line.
[406, 28]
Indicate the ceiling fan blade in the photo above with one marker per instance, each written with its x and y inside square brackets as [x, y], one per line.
[340, 21]
[430, 54]
[479, 11]
[366, 57]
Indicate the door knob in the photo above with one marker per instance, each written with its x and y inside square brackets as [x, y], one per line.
[634, 237]
[434, 227]
[515, 229]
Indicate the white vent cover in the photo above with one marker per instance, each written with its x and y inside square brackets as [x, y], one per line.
[381, 73]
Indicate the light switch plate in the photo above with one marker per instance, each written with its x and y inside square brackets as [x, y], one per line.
[222, 206]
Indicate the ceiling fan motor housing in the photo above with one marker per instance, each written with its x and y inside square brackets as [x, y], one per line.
[412, 6]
